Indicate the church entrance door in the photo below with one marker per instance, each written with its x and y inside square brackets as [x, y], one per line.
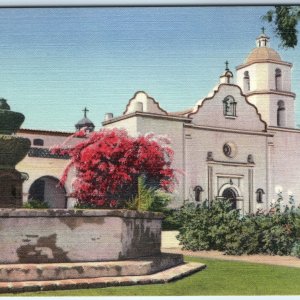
[230, 195]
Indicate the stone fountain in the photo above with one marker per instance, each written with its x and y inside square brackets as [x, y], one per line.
[49, 249]
[12, 150]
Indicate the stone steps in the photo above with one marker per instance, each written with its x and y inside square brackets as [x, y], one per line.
[83, 270]
[165, 276]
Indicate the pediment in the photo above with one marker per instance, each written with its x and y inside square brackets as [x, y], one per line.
[143, 103]
[228, 107]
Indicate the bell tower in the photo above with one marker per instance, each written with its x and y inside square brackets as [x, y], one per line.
[266, 81]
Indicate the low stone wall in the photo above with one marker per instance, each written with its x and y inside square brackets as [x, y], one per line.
[63, 235]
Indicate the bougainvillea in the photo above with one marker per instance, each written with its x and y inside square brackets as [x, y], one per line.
[109, 162]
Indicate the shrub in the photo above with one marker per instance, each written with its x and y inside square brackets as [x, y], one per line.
[171, 221]
[296, 249]
[279, 229]
[207, 226]
[245, 239]
[109, 162]
[35, 204]
[297, 222]
[216, 226]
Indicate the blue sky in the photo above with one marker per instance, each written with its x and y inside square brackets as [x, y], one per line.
[56, 61]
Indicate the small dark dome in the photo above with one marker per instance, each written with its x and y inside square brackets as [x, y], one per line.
[85, 122]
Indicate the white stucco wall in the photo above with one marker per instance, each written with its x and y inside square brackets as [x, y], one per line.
[142, 102]
[130, 124]
[38, 167]
[200, 141]
[192, 142]
[262, 79]
[174, 131]
[258, 74]
[267, 105]
[211, 112]
[285, 164]
[262, 76]
[171, 128]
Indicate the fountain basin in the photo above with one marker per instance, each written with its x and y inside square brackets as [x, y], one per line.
[10, 121]
[62, 235]
[12, 150]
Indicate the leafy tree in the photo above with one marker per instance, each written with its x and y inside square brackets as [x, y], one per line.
[109, 162]
[284, 19]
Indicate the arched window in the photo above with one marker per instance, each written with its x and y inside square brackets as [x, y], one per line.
[229, 106]
[38, 142]
[278, 81]
[280, 114]
[246, 81]
[259, 195]
[198, 193]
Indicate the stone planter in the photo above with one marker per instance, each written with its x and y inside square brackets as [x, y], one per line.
[62, 235]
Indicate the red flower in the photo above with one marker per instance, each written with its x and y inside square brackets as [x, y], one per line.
[109, 162]
[100, 202]
[113, 203]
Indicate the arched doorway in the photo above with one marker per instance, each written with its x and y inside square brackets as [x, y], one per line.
[231, 195]
[46, 189]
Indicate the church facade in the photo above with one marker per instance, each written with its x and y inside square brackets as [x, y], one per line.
[239, 142]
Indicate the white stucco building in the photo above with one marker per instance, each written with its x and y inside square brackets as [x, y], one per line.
[239, 142]
[44, 169]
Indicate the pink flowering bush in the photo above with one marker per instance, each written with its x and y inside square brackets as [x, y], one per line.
[109, 162]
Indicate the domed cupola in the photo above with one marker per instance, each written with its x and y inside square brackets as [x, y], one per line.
[85, 122]
[263, 52]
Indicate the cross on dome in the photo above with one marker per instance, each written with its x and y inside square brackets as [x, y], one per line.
[85, 110]
[85, 122]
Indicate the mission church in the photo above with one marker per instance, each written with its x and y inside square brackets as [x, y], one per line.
[239, 142]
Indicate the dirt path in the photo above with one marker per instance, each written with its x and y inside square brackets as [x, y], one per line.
[288, 261]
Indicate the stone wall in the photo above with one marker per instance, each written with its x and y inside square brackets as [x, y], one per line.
[61, 235]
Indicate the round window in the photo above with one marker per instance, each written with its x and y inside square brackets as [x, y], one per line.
[229, 149]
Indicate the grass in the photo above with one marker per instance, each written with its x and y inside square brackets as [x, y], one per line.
[220, 278]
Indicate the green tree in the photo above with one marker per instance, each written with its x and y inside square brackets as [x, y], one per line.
[284, 19]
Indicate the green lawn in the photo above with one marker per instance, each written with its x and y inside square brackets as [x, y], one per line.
[220, 278]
